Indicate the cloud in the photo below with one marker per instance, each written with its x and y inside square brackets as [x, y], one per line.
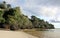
[45, 9]
[9, 1]
[48, 2]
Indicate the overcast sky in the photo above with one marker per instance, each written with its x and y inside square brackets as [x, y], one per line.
[44, 9]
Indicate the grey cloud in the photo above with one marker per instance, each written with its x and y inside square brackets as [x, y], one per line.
[54, 21]
[32, 12]
[48, 2]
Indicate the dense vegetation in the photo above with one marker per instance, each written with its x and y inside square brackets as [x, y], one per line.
[12, 18]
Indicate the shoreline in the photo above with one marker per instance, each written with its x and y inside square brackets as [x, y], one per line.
[15, 34]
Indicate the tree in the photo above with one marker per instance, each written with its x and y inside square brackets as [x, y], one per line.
[14, 19]
[4, 2]
[8, 6]
[2, 20]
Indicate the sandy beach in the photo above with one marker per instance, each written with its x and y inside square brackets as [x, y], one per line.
[15, 34]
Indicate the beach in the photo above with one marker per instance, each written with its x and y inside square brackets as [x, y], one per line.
[15, 34]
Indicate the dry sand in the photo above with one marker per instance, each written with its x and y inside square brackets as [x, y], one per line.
[14, 34]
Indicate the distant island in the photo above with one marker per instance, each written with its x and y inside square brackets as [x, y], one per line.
[13, 19]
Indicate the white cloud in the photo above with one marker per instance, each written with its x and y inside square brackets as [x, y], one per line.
[46, 9]
[49, 11]
[10, 1]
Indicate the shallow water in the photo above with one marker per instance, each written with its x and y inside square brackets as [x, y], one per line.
[52, 33]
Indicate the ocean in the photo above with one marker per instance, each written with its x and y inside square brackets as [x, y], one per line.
[51, 33]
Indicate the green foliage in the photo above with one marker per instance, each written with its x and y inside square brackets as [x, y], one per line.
[8, 6]
[39, 23]
[15, 19]
[26, 22]
[2, 20]
[3, 5]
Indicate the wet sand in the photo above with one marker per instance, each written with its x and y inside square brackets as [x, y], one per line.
[14, 34]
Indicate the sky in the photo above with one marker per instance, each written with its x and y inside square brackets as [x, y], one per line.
[45, 9]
